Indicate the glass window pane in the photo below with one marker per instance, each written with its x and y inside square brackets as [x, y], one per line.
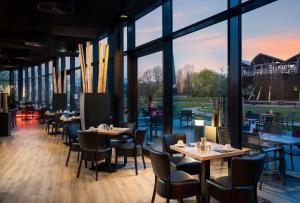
[200, 82]
[150, 90]
[77, 88]
[125, 38]
[149, 27]
[67, 62]
[125, 89]
[271, 67]
[188, 12]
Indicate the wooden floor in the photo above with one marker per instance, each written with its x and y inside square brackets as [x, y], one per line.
[32, 169]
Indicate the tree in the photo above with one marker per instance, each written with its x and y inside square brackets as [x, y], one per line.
[157, 75]
[188, 82]
[179, 81]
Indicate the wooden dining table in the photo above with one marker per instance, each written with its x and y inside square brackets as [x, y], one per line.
[114, 132]
[205, 156]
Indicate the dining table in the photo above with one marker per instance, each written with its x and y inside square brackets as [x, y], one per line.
[109, 133]
[215, 151]
[269, 139]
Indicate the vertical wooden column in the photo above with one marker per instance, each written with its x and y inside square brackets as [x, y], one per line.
[168, 68]
[234, 78]
[132, 73]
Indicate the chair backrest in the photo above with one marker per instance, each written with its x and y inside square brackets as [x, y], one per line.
[130, 125]
[160, 164]
[91, 140]
[274, 128]
[247, 171]
[72, 129]
[210, 132]
[223, 136]
[139, 136]
[171, 139]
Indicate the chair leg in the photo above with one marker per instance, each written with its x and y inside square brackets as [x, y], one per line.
[135, 164]
[255, 195]
[125, 160]
[69, 155]
[154, 192]
[291, 157]
[78, 156]
[79, 167]
[143, 160]
[85, 163]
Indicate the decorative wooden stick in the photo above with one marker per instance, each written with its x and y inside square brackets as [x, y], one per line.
[58, 80]
[82, 64]
[105, 68]
[213, 112]
[5, 102]
[100, 67]
[89, 68]
[54, 80]
[65, 81]
[220, 113]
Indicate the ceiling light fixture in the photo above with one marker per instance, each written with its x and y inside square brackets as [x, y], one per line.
[123, 16]
[55, 7]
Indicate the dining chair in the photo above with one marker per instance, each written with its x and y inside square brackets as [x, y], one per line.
[223, 136]
[292, 151]
[72, 129]
[125, 137]
[184, 163]
[171, 184]
[132, 149]
[94, 147]
[238, 187]
[210, 132]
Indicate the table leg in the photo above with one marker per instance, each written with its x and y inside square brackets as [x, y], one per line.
[205, 174]
[282, 167]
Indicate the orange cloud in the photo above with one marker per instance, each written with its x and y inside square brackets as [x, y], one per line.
[280, 45]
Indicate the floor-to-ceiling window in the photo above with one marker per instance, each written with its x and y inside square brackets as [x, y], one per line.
[35, 100]
[29, 98]
[4, 81]
[150, 91]
[200, 83]
[67, 67]
[270, 67]
[43, 83]
[77, 89]
[16, 84]
[50, 82]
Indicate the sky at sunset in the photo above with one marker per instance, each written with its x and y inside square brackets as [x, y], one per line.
[273, 29]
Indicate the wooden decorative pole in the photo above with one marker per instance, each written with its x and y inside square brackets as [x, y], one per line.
[105, 68]
[5, 102]
[213, 112]
[220, 113]
[58, 79]
[100, 67]
[89, 68]
[65, 81]
[82, 64]
[54, 80]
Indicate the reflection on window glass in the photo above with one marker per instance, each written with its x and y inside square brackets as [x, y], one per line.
[125, 89]
[200, 82]
[150, 91]
[188, 12]
[149, 27]
[68, 91]
[125, 38]
[67, 63]
[77, 88]
[270, 67]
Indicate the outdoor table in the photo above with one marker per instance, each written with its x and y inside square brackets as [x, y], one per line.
[265, 139]
[205, 156]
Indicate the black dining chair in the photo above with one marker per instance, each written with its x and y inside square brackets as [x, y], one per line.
[238, 186]
[132, 149]
[186, 164]
[72, 129]
[171, 184]
[125, 137]
[94, 147]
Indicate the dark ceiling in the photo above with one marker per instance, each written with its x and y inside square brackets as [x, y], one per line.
[29, 36]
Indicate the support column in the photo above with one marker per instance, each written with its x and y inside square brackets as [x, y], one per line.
[168, 68]
[72, 83]
[39, 84]
[20, 84]
[132, 73]
[47, 83]
[234, 78]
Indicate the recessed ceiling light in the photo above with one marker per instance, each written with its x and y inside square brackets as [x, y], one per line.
[35, 44]
[123, 16]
